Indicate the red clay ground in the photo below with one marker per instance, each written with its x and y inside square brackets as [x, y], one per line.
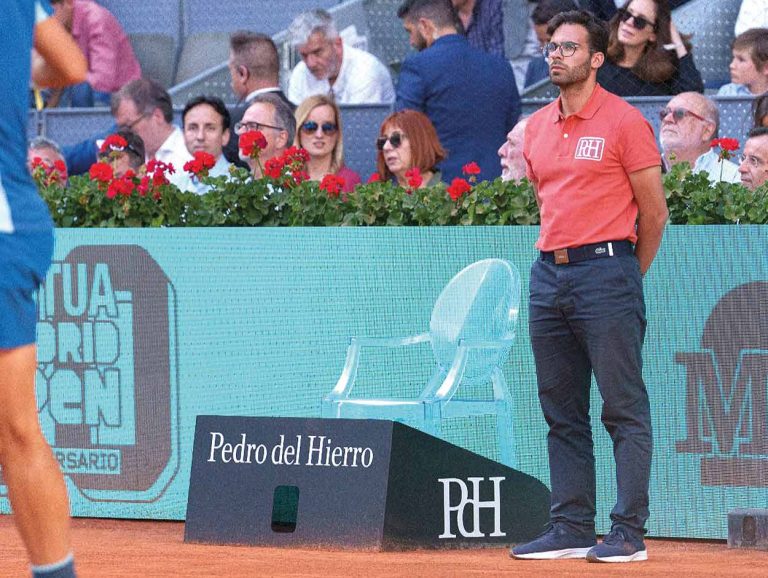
[120, 548]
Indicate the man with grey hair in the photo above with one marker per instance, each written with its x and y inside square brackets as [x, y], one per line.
[328, 66]
[143, 106]
[688, 124]
[271, 116]
[46, 150]
[511, 153]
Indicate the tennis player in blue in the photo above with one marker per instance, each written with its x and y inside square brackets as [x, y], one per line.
[35, 484]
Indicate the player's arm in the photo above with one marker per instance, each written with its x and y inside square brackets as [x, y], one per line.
[57, 60]
[652, 213]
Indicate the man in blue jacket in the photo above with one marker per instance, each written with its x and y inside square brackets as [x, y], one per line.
[470, 96]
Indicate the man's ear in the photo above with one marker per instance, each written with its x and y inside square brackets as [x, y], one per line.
[427, 29]
[709, 132]
[598, 58]
[225, 137]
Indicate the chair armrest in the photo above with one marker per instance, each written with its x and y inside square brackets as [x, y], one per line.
[348, 375]
[391, 341]
[496, 344]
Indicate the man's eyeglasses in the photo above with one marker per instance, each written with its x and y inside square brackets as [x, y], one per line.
[566, 49]
[310, 127]
[395, 139]
[129, 125]
[638, 22]
[241, 127]
[752, 161]
[679, 114]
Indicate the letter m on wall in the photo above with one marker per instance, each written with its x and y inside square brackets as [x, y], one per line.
[726, 414]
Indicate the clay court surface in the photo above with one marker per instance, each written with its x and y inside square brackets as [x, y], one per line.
[120, 548]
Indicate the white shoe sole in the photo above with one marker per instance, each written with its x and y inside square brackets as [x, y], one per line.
[636, 557]
[554, 554]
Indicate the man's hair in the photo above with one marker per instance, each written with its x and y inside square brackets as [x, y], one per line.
[215, 103]
[283, 114]
[308, 23]
[147, 95]
[440, 12]
[135, 149]
[41, 142]
[547, 9]
[257, 52]
[756, 41]
[760, 109]
[596, 28]
[758, 131]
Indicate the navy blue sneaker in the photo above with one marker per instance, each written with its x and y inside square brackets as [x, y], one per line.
[619, 546]
[557, 542]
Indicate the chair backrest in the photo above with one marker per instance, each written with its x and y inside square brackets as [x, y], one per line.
[480, 303]
[711, 24]
[361, 127]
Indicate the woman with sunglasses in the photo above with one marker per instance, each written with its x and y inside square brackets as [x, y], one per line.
[647, 56]
[319, 133]
[408, 140]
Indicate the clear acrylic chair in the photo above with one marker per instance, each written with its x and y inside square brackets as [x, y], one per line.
[471, 331]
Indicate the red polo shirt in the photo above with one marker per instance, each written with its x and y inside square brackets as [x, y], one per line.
[580, 166]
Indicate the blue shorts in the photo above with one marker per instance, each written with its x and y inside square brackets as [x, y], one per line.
[24, 261]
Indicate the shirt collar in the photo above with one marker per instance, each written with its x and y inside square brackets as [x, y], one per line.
[589, 110]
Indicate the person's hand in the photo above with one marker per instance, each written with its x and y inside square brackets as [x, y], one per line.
[677, 41]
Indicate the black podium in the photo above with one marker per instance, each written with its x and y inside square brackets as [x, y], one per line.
[353, 484]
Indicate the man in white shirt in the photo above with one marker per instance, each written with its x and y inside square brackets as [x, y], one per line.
[752, 14]
[330, 67]
[688, 124]
[144, 107]
[205, 122]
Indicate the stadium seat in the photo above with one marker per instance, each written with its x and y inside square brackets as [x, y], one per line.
[471, 331]
[361, 128]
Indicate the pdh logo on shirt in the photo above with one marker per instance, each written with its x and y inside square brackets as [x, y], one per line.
[107, 387]
[590, 148]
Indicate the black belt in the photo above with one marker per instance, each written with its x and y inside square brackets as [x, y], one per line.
[586, 252]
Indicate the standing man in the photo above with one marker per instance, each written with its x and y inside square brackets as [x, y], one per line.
[36, 487]
[593, 161]
[254, 69]
[205, 122]
[328, 66]
[483, 22]
[145, 107]
[470, 96]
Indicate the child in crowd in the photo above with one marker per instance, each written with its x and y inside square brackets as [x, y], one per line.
[749, 67]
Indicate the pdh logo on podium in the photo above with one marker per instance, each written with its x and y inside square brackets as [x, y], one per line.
[726, 394]
[107, 387]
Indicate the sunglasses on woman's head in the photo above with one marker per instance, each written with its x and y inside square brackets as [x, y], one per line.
[310, 127]
[395, 139]
[638, 22]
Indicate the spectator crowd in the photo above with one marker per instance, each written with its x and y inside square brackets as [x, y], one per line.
[455, 99]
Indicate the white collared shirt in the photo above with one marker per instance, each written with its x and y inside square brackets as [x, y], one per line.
[174, 151]
[711, 164]
[363, 79]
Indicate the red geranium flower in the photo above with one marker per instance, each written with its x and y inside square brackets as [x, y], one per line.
[201, 164]
[143, 187]
[457, 188]
[414, 177]
[252, 143]
[273, 168]
[332, 184]
[374, 178]
[101, 172]
[727, 146]
[471, 169]
[123, 186]
[113, 142]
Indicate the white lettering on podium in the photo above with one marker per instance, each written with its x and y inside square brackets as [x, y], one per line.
[475, 502]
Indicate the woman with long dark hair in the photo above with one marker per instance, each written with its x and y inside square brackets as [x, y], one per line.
[647, 56]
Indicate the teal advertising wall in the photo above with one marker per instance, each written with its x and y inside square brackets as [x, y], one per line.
[140, 331]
